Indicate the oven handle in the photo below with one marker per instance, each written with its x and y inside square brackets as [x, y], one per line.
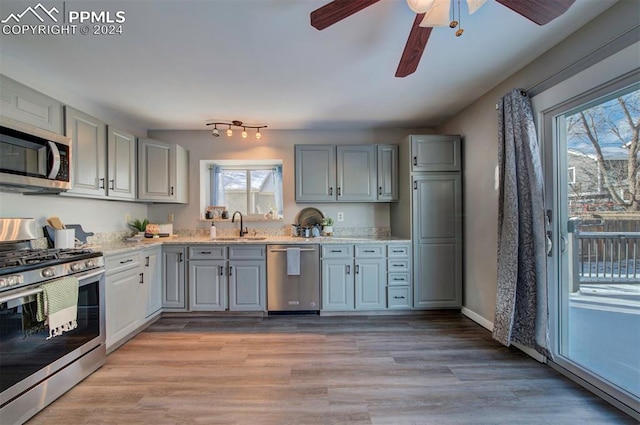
[34, 291]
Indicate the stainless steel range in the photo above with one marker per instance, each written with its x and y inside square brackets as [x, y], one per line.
[34, 370]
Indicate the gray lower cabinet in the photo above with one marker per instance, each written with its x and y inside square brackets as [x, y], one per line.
[152, 279]
[26, 105]
[399, 294]
[173, 278]
[370, 277]
[207, 285]
[357, 277]
[247, 278]
[124, 296]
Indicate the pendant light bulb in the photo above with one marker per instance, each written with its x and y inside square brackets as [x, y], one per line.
[229, 132]
[258, 135]
[244, 133]
[215, 132]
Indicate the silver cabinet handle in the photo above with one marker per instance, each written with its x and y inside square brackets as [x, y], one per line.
[230, 270]
[205, 252]
[146, 261]
[398, 298]
[348, 269]
[129, 260]
[339, 191]
[357, 268]
[370, 250]
[141, 278]
[415, 160]
[112, 184]
[101, 186]
[221, 270]
[331, 191]
[380, 190]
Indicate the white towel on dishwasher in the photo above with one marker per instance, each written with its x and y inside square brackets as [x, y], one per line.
[293, 261]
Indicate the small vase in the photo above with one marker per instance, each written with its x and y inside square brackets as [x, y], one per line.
[327, 230]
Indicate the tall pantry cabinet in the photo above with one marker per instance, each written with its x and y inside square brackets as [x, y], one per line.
[430, 213]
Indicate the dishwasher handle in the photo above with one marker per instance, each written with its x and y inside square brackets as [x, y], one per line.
[284, 250]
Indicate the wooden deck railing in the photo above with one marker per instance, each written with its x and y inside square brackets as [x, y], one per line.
[606, 257]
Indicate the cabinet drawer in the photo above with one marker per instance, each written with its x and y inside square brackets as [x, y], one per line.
[394, 265]
[337, 251]
[207, 252]
[369, 251]
[398, 251]
[252, 252]
[398, 279]
[118, 263]
[398, 297]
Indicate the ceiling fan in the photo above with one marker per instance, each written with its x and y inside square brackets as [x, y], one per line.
[431, 13]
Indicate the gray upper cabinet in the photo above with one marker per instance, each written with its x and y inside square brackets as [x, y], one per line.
[26, 105]
[121, 150]
[357, 173]
[346, 173]
[315, 173]
[387, 173]
[88, 153]
[163, 172]
[435, 153]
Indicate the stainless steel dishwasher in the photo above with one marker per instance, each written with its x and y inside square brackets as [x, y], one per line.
[291, 288]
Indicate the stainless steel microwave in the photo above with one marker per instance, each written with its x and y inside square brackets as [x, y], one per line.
[32, 159]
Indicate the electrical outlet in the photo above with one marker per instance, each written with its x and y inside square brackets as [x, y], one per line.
[340, 216]
[170, 217]
[127, 217]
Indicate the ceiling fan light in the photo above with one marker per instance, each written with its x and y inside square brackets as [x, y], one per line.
[420, 6]
[474, 5]
[438, 15]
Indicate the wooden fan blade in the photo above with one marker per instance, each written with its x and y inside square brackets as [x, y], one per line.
[539, 11]
[414, 48]
[336, 11]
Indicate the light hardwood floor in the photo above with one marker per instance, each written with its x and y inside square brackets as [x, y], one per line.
[440, 368]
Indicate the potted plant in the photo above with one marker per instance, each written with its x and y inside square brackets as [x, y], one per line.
[139, 225]
[327, 226]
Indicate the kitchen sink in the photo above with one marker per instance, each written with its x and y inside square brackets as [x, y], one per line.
[244, 238]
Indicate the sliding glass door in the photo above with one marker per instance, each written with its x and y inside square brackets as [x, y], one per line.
[592, 151]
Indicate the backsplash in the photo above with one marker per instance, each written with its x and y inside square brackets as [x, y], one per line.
[110, 237]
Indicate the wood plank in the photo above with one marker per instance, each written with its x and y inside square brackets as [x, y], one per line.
[436, 368]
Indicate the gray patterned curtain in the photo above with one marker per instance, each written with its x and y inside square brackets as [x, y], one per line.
[521, 301]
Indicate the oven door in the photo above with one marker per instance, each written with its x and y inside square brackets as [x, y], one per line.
[26, 357]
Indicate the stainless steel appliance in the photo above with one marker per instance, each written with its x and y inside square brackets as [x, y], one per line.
[34, 370]
[32, 159]
[293, 290]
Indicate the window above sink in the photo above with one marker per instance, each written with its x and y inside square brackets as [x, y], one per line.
[253, 187]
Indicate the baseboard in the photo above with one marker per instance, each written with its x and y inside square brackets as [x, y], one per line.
[489, 326]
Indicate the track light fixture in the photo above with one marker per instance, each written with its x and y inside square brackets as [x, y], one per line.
[235, 123]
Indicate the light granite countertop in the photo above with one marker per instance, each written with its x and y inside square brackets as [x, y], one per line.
[123, 247]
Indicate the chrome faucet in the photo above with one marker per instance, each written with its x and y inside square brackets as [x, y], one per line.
[243, 231]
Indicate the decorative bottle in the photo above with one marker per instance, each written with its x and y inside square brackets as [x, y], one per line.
[212, 230]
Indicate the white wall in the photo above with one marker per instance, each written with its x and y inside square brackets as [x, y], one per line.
[94, 215]
[479, 128]
[275, 144]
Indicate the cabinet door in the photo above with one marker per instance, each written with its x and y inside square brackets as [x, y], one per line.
[435, 153]
[26, 105]
[247, 285]
[121, 153]
[370, 282]
[357, 170]
[173, 284]
[437, 241]
[315, 173]
[88, 153]
[123, 304]
[207, 285]
[337, 285]
[155, 170]
[152, 280]
[387, 173]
